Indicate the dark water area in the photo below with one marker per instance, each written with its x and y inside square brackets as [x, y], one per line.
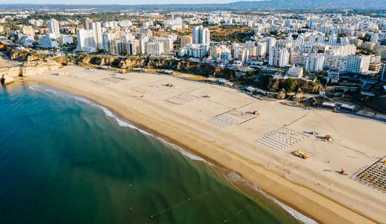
[64, 159]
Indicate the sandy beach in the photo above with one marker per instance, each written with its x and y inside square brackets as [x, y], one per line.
[252, 137]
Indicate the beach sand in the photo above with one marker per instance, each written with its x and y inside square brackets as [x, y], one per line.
[219, 124]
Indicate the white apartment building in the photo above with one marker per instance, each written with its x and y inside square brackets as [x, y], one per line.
[252, 49]
[200, 35]
[142, 43]
[97, 31]
[206, 36]
[107, 42]
[167, 43]
[86, 41]
[314, 62]
[341, 50]
[199, 51]
[120, 43]
[278, 57]
[196, 35]
[240, 52]
[261, 49]
[53, 27]
[271, 42]
[355, 64]
[194, 50]
[133, 47]
[155, 48]
[296, 58]
[87, 24]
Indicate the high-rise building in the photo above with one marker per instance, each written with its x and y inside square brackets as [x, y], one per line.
[244, 55]
[97, 31]
[154, 48]
[132, 47]
[114, 43]
[121, 46]
[142, 43]
[271, 42]
[194, 50]
[261, 49]
[252, 49]
[205, 36]
[278, 57]
[315, 63]
[88, 24]
[200, 35]
[355, 64]
[86, 40]
[53, 27]
[119, 43]
[196, 34]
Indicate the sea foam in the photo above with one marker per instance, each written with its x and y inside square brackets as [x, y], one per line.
[298, 215]
[121, 122]
[293, 212]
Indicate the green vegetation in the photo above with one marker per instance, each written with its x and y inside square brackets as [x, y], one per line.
[231, 33]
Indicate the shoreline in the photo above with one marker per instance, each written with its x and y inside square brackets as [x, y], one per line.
[239, 183]
[295, 195]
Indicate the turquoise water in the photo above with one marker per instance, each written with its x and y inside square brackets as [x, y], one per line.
[66, 160]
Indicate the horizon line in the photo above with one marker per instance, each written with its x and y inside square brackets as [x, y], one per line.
[139, 4]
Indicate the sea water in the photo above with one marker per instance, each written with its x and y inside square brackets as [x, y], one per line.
[64, 159]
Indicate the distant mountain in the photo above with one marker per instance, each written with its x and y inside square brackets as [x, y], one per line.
[310, 4]
[240, 5]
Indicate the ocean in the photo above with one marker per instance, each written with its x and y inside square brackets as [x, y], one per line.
[64, 159]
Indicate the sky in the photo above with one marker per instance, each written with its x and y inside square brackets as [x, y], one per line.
[126, 2]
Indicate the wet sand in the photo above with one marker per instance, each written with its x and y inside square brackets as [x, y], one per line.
[252, 137]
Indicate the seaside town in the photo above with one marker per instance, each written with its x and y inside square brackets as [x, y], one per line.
[334, 60]
[309, 87]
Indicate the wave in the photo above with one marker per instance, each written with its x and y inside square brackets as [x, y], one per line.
[293, 212]
[121, 122]
[297, 215]
[41, 89]
[33, 88]
[191, 155]
[124, 123]
[235, 177]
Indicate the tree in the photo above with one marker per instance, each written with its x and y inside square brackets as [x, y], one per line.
[290, 85]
